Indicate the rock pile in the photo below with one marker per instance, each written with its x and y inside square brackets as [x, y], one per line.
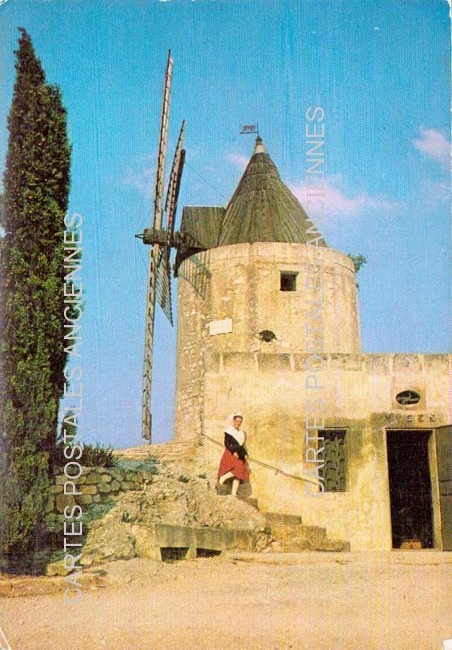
[172, 499]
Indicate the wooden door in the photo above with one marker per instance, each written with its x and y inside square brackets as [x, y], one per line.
[444, 455]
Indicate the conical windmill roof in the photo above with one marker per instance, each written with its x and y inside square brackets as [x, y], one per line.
[263, 208]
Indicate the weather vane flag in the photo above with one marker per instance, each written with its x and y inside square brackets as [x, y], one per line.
[249, 128]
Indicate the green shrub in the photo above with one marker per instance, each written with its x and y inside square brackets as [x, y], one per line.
[95, 455]
[98, 456]
[148, 465]
[96, 511]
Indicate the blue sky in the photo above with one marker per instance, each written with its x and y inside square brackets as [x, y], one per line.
[379, 68]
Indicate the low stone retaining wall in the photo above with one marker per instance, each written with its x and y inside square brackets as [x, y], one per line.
[153, 541]
[96, 485]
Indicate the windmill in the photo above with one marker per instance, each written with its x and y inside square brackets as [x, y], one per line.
[161, 241]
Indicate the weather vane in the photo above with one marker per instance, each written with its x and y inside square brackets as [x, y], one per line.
[250, 128]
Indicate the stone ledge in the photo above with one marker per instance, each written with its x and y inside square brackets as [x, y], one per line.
[150, 540]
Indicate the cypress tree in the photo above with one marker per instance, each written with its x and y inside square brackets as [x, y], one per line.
[32, 356]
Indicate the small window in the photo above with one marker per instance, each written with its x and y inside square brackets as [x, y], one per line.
[288, 281]
[333, 470]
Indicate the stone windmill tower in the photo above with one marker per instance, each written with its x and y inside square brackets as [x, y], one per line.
[259, 315]
[268, 324]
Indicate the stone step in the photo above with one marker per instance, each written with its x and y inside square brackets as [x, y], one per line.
[285, 526]
[276, 519]
[293, 536]
[294, 546]
[298, 544]
[250, 501]
[244, 489]
[314, 534]
[334, 545]
[243, 493]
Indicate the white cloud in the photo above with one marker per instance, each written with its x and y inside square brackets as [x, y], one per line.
[332, 202]
[141, 178]
[238, 160]
[435, 194]
[434, 145]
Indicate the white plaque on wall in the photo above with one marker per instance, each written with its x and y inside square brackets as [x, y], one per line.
[220, 326]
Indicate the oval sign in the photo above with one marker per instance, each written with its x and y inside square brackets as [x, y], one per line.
[407, 397]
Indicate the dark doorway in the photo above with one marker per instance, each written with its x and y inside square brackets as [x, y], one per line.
[444, 456]
[410, 488]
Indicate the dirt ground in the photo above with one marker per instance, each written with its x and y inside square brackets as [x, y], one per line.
[247, 601]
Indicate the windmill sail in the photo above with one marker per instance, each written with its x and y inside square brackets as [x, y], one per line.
[174, 182]
[163, 281]
[163, 284]
[146, 420]
[161, 240]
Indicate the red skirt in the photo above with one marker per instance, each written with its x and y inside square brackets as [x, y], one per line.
[229, 463]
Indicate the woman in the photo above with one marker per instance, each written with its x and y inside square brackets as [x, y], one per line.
[233, 463]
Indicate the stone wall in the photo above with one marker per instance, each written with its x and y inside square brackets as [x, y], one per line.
[243, 298]
[191, 346]
[97, 485]
[224, 365]
[358, 396]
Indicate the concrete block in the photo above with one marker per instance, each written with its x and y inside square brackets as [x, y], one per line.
[174, 536]
[212, 538]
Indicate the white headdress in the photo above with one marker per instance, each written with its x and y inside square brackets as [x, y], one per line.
[237, 434]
